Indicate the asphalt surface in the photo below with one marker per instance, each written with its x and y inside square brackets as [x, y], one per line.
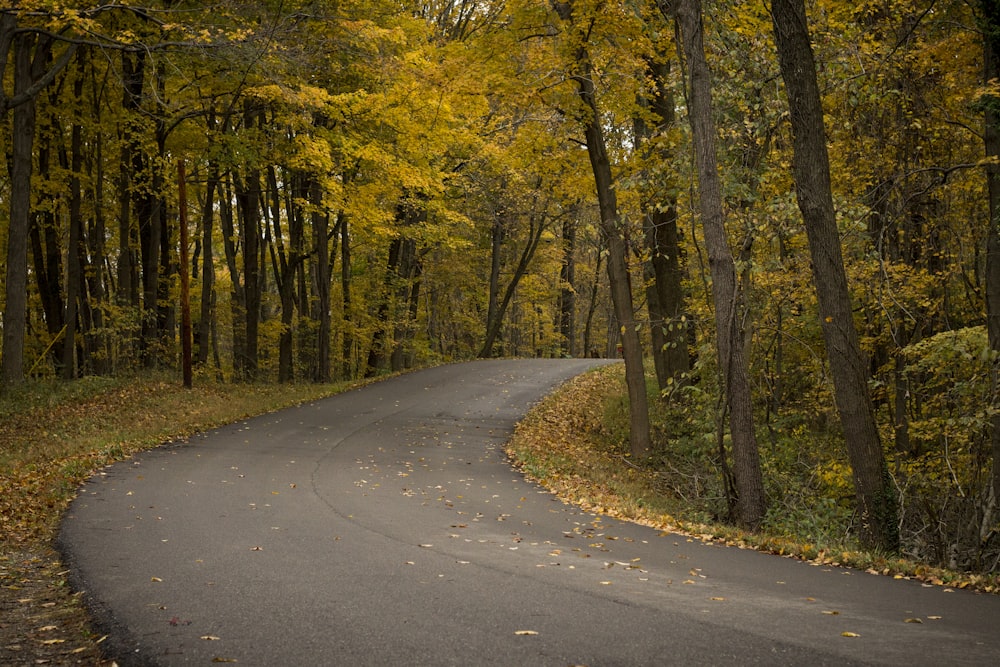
[385, 526]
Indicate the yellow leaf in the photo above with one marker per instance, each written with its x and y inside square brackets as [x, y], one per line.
[913, 620]
[849, 634]
[210, 638]
[525, 632]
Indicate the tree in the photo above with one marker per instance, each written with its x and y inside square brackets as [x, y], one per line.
[991, 104]
[747, 499]
[663, 267]
[583, 76]
[33, 71]
[876, 497]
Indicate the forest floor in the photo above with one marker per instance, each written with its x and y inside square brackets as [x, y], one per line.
[52, 438]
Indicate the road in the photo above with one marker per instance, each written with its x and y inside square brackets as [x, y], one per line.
[384, 526]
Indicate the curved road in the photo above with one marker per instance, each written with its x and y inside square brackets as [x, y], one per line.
[385, 527]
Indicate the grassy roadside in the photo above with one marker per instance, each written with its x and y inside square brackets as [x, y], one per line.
[570, 443]
[52, 437]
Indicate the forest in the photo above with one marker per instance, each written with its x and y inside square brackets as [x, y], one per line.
[780, 214]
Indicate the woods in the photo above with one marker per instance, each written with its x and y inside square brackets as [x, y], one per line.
[782, 216]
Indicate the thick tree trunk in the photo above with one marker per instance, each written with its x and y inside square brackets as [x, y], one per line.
[991, 43]
[748, 506]
[874, 488]
[16, 309]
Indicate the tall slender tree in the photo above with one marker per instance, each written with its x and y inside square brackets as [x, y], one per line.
[747, 502]
[584, 77]
[876, 496]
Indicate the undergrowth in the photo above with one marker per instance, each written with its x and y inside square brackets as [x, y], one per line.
[576, 443]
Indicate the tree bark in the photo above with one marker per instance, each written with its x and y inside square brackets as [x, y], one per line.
[321, 312]
[498, 310]
[567, 291]
[876, 497]
[16, 310]
[346, 267]
[663, 271]
[611, 230]
[991, 104]
[748, 506]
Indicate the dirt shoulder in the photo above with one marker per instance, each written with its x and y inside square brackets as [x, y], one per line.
[42, 622]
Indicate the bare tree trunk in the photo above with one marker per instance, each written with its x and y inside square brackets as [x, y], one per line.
[207, 265]
[536, 227]
[347, 342]
[321, 313]
[664, 275]
[567, 291]
[874, 488]
[15, 315]
[748, 506]
[611, 230]
[991, 47]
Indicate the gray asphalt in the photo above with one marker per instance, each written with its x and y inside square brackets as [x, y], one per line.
[385, 526]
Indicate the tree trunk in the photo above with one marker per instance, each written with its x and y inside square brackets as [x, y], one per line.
[567, 290]
[499, 310]
[991, 104]
[748, 506]
[15, 314]
[207, 313]
[497, 233]
[321, 312]
[663, 272]
[76, 255]
[611, 231]
[876, 496]
[347, 343]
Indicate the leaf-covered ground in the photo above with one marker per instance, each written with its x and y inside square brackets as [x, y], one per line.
[568, 444]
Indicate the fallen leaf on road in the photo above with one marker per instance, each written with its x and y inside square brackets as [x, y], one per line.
[849, 634]
[831, 613]
[210, 638]
[525, 632]
[913, 620]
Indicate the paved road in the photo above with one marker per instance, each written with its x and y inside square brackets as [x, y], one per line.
[385, 527]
